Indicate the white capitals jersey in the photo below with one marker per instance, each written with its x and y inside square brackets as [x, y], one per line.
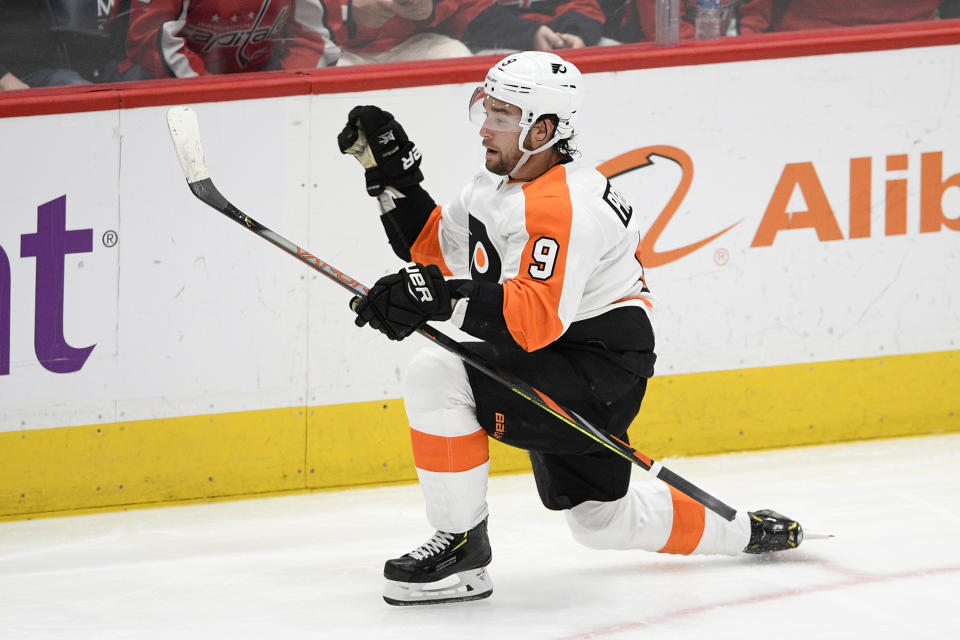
[564, 246]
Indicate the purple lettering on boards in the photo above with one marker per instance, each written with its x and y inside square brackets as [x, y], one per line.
[50, 245]
[4, 313]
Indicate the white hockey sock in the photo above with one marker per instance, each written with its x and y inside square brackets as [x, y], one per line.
[655, 518]
[450, 448]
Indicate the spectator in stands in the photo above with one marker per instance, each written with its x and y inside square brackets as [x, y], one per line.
[636, 20]
[758, 16]
[30, 56]
[186, 38]
[182, 38]
[639, 22]
[539, 25]
[403, 30]
[388, 31]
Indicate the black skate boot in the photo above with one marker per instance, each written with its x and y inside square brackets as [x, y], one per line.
[449, 567]
[770, 531]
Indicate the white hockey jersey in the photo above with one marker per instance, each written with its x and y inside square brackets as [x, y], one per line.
[564, 246]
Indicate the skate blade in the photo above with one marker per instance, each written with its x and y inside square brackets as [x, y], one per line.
[474, 584]
[817, 536]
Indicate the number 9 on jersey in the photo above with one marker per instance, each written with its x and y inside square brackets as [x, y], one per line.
[545, 251]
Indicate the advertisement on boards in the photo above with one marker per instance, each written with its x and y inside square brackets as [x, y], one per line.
[819, 223]
[120, 298]
[59, 267]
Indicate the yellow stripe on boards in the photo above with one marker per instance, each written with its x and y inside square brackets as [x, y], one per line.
[369, 442]
[295, 449]
[793, 405]
[149, 461]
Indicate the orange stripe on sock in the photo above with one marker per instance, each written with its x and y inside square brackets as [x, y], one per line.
[440, 453]
[688, 522]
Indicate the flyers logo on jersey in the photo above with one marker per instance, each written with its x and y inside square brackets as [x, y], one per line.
[485, 262]
[480, 261]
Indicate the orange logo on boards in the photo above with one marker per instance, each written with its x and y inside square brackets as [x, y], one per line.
[819, 215]
[640, 158]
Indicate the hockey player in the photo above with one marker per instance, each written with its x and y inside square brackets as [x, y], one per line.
[538, 259]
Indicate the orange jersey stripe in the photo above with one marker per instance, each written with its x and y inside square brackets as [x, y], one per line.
[531, 300]
[440, 453]
[426, 248]
[689, 518]
[640, 298]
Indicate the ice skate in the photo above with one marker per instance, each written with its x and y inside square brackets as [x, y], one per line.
[770, 531]
[449, 567]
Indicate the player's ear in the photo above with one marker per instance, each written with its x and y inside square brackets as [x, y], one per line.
[546, 129]
[540, 132]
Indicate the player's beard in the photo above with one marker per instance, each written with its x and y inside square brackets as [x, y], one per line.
[502, 163]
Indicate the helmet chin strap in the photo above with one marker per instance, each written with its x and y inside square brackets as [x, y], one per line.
[522, 161]
[527, 153]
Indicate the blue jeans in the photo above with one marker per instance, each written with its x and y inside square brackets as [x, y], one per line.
[53, 78]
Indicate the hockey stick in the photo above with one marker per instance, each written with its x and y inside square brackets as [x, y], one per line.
[185, 131]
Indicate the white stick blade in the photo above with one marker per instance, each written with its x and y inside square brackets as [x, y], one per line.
[185, 131]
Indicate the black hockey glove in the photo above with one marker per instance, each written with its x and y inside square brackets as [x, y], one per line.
[382, 147]
[400, 303]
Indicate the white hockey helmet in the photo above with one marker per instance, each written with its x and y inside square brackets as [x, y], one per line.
[540, 83]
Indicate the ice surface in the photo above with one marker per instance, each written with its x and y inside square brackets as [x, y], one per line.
[309, 566]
